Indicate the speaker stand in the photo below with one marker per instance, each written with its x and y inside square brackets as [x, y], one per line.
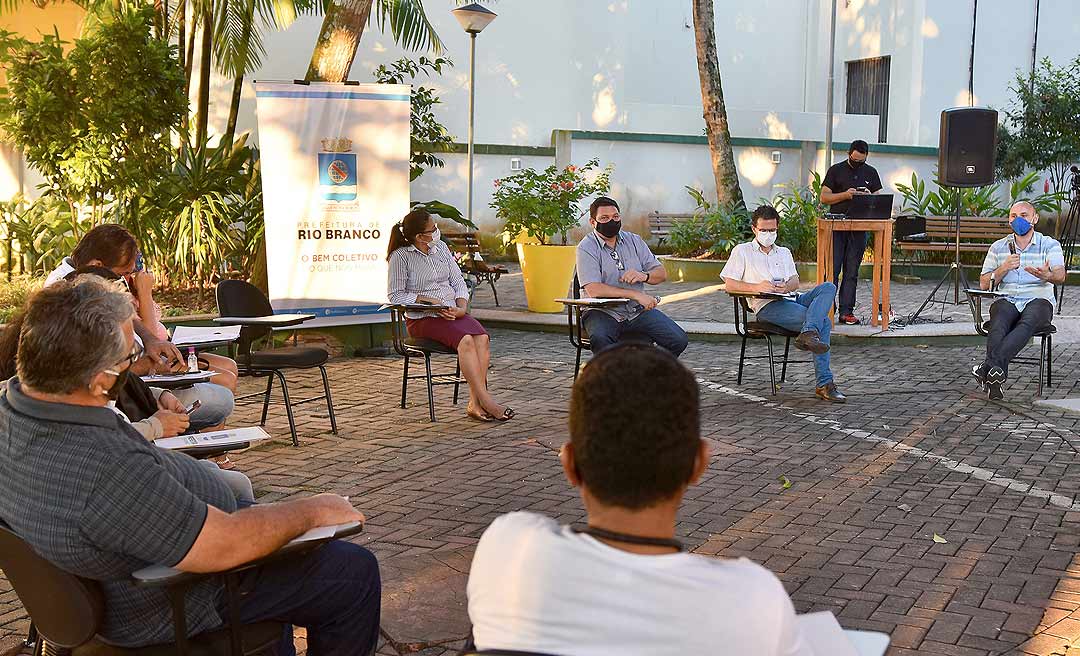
[955, 274]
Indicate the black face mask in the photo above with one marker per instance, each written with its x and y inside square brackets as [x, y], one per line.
[609, 229]
[121, 379]
[854, 164]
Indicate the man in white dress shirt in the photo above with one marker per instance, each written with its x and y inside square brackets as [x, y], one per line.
[622, 585]
[762, 267]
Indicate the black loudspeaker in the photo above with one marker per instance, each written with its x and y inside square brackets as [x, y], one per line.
[967, 147]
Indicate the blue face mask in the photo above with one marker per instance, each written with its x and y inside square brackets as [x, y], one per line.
[1020, 225]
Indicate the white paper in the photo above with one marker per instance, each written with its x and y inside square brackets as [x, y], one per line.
[183, 377]
[420, 307]
[321, 532]
[194, 335]
[822, 633]
[790, 296]
[216, 438]
[592, 301]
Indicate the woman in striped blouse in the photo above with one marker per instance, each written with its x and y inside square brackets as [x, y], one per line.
[422, 270]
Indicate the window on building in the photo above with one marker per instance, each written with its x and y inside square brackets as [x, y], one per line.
[868, 90]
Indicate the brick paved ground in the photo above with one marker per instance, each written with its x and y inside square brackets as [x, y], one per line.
[706, 301]
[914, 453]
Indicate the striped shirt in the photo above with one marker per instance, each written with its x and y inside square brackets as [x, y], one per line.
[434, 274]
[1020, 285]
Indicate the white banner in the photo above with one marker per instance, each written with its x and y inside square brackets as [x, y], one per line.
[335, 172]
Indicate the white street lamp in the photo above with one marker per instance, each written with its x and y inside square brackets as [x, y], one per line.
[473, 19]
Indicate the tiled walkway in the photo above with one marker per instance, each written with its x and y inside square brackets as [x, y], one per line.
[916, 452]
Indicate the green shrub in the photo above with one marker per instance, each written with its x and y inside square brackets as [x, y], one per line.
[711, 233]
[799, 207]
[14, 292]
[975, 201]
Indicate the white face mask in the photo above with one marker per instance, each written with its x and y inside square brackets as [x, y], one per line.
[437, 235]
[766, 239]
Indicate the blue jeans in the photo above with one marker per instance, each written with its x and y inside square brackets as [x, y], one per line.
[809, 312]
[334, 591]
[217, 404]
[605, 331]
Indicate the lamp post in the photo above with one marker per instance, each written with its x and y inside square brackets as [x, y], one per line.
[829, 88]
[473, 19]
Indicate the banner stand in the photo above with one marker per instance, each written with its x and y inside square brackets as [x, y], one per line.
[335, 174]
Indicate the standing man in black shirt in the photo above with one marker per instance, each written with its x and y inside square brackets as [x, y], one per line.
[843, 181]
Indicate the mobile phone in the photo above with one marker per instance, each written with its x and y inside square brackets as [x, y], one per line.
[140, 263]
[193, 407]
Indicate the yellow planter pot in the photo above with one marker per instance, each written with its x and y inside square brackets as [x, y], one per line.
[548, 272]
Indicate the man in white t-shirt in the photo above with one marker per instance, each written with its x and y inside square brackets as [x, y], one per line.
[762, 267]
[622, 585]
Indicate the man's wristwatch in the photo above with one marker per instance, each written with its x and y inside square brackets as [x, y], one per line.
[646, 276]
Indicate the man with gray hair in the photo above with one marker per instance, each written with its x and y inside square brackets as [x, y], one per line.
[88, 494]
[1025, 265]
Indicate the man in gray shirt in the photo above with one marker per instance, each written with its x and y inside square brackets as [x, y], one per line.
[616, 264]
[94, 498]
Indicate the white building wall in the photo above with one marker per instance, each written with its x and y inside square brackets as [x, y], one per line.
[629, 66]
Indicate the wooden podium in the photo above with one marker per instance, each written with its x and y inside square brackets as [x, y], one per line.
[879, 280]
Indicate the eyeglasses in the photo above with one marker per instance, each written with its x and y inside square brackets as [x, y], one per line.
[131, 359]
[605, 219]
[618, 261]
[429, 232]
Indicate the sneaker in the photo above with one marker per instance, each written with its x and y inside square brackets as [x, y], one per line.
[995, 378]
[977, 370]
[811, 341]
[829, 393]
[849, 319]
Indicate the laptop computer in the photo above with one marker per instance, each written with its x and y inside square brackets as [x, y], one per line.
[870, 206]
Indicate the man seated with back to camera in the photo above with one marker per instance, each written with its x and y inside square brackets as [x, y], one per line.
[111, 503]
[1025, 265]
[760, 266]
[616, 263]
[623, 584]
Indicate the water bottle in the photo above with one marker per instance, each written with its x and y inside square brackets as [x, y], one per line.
[192, 361]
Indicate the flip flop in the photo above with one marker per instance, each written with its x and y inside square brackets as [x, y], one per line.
[507, 415]
[478, 416]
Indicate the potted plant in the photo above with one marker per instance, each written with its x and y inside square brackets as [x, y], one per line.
[536, 206]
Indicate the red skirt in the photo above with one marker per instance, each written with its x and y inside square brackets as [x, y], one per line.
[443, 331]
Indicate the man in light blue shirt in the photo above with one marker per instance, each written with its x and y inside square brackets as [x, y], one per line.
[614, 263]
[1025, 265]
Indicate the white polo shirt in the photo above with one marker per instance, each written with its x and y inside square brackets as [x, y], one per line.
[750, 263]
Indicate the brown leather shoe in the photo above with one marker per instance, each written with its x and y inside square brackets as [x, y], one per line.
[811, 341]
[829, 393]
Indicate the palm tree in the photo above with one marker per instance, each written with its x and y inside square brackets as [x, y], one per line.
[728, 192]
[344, 24]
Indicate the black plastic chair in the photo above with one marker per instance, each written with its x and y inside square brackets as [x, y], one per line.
[579, 339]
[411, 347]
[1045, 359]
[67, 611]
[240, 299]
[748, 330]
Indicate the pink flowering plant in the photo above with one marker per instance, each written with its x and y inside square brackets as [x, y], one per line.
[545, 203]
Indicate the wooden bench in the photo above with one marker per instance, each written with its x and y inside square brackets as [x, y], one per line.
[976, 234]
[473, 264]
[660, 224]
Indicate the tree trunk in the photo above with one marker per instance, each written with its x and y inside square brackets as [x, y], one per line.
[203, 107]
[728, 192]
[342, 27]
[234, 110]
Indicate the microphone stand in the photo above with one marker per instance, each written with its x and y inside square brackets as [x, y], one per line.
[955, 272]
